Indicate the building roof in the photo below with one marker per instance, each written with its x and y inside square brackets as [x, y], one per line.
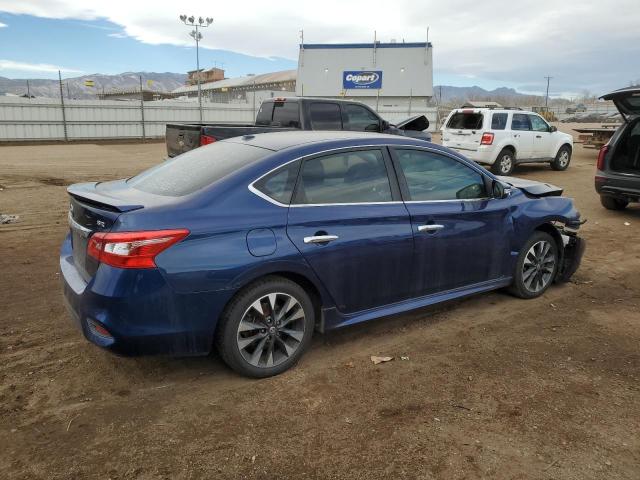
[283, 76]
[312, 46]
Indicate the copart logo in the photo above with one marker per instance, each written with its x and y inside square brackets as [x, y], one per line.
[364, 78]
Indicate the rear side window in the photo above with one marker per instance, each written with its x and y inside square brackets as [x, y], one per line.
[279, 185]
[465, 121]
[265, 113]
[520, 121]
[499, 121]
[350, 177]
[196, 169]
[325, 116]
[286, 114]
[431, 176]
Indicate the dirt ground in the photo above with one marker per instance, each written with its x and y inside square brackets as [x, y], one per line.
[493, 387]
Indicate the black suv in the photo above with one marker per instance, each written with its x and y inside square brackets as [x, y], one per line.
[618, 168]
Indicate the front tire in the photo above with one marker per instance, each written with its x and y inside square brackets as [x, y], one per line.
[562, 160]
[504, 164]
[266, 328]
[612, 203]
[536, 267]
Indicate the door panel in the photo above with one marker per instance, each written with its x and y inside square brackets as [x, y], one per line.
[469, 246]
[522, 135]
[460, 235]
[541, 137]
[349, 223]
[367, 264]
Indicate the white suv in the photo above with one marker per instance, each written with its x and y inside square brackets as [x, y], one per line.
[503, 138]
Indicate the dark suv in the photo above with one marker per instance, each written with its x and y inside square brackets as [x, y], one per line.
[618, 168]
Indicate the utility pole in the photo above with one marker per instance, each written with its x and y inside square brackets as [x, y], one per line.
[64, 116]
[197, 36]
[144, 136]
[546, 99]
[28, 90]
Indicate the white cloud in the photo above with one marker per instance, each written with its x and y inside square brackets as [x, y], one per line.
[2, 25]
[581, 44]
[117, 35]
[34, 67]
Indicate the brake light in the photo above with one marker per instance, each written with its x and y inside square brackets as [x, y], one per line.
[132, 249]
[601, 154]
[487, 138]
[206, 139]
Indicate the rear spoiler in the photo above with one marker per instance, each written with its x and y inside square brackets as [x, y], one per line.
[87, 193]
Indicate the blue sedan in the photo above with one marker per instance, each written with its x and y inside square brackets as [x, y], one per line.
[251, 244]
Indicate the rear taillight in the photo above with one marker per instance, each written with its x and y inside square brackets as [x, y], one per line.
[603, 153]
[487, 138]
[206, 139]
[132, 249]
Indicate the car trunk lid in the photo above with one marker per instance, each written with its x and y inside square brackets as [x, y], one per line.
[95, 207]
[626, 100]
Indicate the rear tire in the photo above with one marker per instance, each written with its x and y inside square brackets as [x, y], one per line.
[562, 160]
[266, 327]
[612, 203]
[536, 267]
[504, 164]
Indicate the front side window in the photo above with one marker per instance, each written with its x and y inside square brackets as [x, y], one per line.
[279, 185]
[499, 121]
[325, 116]
[520, 121]
[348, 177]
[360, 119]
[538, 124]
[430, 176]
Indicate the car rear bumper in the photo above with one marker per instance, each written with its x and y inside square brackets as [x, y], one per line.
[483, 154]
[622, 186]
[139, 311]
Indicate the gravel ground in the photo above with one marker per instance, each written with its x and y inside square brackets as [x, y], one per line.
[493, 387]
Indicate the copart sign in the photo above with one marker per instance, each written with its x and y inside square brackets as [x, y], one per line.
[368, 79]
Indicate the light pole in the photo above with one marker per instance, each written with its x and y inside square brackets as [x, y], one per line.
[197, 36]
[546, 98]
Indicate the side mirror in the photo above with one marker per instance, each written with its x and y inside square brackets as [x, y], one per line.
[385, 125]
[498, 190]
[553, 129]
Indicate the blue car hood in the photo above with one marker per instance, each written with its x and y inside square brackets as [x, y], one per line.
[533, 188]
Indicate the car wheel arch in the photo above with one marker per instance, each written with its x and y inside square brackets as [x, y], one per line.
[510, 147]
[549, 228]
[564, 144]
[319, 297]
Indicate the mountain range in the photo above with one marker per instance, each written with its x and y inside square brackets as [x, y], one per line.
[166, 82]
[75, 87]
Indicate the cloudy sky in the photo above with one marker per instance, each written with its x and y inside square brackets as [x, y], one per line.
[592, 46]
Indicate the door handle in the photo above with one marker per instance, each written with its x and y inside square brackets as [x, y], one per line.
[430, 228]
[320, 239]
[538, 136]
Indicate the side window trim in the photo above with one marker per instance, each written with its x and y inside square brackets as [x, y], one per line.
[391, 177]
[402, 181]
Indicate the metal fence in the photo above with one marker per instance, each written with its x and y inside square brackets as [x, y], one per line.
[23, 119]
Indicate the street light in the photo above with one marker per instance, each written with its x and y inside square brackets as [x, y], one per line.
[197, 36]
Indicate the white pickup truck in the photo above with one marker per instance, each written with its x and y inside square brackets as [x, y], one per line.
[502, 138]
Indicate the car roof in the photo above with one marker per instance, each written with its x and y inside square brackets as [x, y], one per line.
[498, 110]
[278, 141]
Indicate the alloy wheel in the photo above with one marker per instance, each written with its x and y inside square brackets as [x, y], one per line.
[505, 164]
[563, 160]
[538, 267]
[271, 330]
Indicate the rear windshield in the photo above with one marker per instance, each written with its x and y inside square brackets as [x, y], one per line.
[281, 114]
[196, 169]
[465, 121]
